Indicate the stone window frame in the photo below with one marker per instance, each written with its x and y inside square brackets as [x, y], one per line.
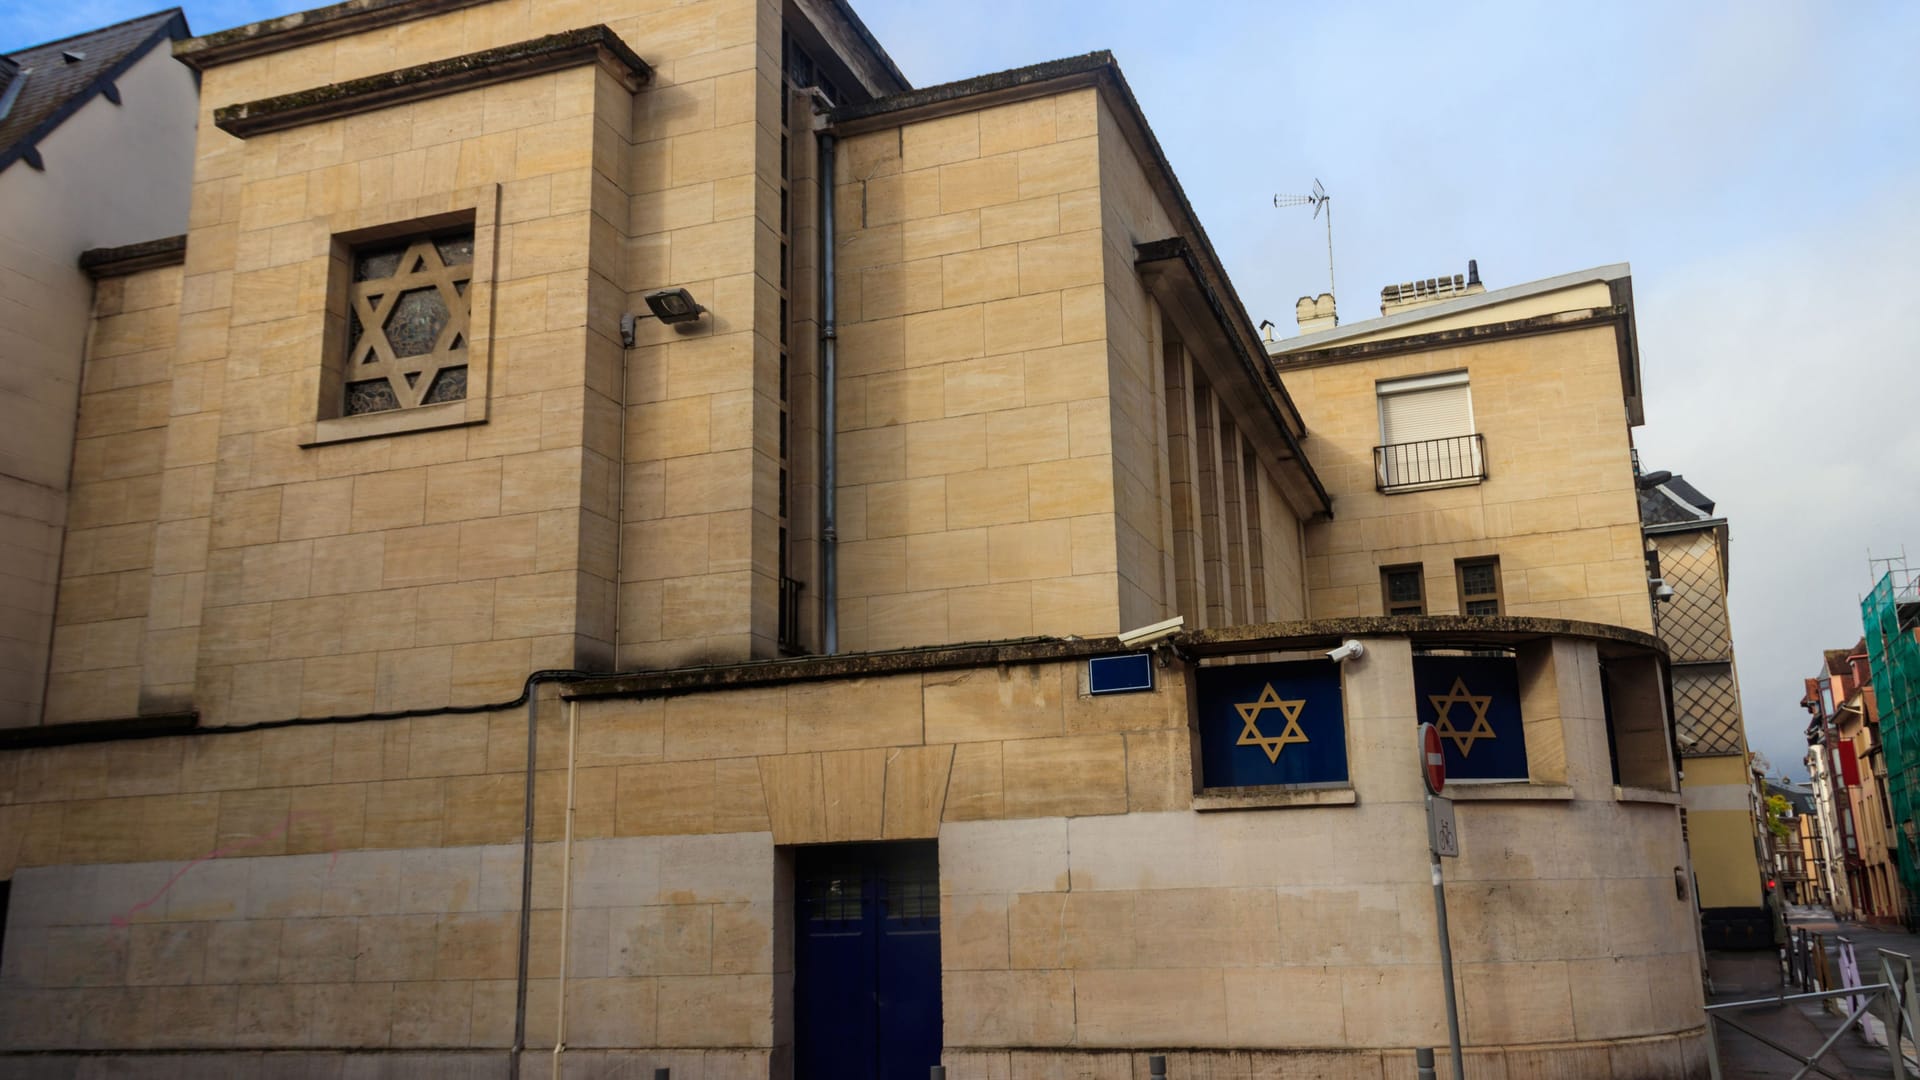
[477, 208]
[1497, 596]
[1387, 603]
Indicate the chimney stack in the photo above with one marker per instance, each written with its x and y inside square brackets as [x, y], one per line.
[1315, 313]
[1416, 294]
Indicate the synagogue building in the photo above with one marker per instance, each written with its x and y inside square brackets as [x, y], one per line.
[607, 537]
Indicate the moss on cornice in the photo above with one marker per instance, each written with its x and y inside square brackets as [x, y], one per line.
[569, 48]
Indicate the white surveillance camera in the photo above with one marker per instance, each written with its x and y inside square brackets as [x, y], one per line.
[1662, 591]
[1348, 650]
[1152, 633]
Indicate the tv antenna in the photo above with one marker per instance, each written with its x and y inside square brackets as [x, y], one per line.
[1319, 200]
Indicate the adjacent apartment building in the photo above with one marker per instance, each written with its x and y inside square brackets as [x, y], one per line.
[1890, 616]
[96, 150]
[635, 511]
[1688, 555]
[1845, 729]
[1479, 444]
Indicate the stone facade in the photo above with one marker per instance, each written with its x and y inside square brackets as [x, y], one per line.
[1553, 378]
[362, 789]
[356, 886]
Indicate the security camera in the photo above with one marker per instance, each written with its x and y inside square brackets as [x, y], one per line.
[1152, 633]
[1348, 650]
[1662, 591]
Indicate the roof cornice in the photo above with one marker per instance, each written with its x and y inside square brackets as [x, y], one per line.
[306, 27]
[1444, 339]
[590, 44]
[132, 258]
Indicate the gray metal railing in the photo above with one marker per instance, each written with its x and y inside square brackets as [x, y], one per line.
[1893, 998]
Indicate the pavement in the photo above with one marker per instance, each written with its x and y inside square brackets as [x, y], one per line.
[1800, 1026]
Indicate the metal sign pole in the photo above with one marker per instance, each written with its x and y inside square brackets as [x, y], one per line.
[1446, 952]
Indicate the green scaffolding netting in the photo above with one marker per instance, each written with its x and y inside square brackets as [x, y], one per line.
[1891, 617]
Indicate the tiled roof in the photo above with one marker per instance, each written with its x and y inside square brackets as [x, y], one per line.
[44, 84]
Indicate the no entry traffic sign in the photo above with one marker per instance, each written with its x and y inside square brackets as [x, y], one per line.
[1433, 760]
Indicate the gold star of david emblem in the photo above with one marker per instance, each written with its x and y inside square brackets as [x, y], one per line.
[1250, 716]
[1443, 723]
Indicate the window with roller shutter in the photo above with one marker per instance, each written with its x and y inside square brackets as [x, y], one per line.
[1426, 433]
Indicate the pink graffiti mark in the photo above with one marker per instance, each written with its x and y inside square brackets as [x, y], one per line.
[125, 919]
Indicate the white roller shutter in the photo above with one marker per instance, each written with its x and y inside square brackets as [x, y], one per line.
[1413, 410]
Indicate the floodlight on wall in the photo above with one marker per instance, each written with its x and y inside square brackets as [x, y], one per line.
[670, 306]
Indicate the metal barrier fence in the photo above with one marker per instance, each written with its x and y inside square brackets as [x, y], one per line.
[1893, 999]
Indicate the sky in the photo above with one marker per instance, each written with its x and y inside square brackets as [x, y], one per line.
[1757, 163]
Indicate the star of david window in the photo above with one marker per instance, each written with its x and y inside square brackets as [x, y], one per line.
[407, 323]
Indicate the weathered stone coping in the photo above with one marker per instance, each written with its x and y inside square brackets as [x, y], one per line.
[306, 27]
[590, 44]
[1448, 339]
[1273, 798]
[1502, 630]
[132, 258]
[1465, 791]
[1647, 795]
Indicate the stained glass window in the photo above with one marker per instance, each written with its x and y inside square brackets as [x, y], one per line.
[407, 323]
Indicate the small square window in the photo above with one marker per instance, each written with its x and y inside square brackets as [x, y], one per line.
[1403, 590]
[1479, 586]
[407, 323]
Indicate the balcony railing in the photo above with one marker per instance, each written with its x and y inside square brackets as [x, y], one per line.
[1411, 466]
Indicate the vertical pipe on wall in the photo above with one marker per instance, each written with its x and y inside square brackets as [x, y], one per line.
[829, 495]
[566, 889]
[526, 882]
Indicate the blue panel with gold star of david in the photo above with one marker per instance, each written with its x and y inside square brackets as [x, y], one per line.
[1263, 724]
[1474, 701]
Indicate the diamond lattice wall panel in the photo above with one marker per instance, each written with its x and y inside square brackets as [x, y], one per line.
[1694, 622]
[1706, 707]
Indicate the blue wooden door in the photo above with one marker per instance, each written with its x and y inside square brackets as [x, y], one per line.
[867, 959]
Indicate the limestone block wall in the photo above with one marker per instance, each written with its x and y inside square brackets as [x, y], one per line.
[355, 887]
[102, 611]
[698, 187]
[308, 577]
[418, 569]
[976, 450]
[1558, 507]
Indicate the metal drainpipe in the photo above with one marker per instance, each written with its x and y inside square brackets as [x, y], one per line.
[829, 412]
[566, 888]
[526, 884]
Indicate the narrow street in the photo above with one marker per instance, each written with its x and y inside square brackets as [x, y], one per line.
[1803, 1026]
